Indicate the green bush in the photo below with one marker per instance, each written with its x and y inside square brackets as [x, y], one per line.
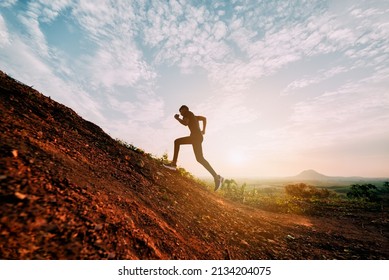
[364, 192]
[231, 190]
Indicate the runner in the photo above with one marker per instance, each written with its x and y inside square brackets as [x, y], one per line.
[195, 139]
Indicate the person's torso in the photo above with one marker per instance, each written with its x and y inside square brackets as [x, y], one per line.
[193, 124]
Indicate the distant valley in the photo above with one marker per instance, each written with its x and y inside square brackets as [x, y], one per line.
[311, 177]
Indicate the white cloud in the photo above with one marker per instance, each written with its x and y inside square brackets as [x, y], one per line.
[219, 30]
[362, 46]
[189, 37]
[195, 36]
[356, 110]
[115, 65]
[117, 60]
[51, 9]
[30, 19]
[226, 110]
[322, 75]
[147, 109]
[4, 36]
[8, 3]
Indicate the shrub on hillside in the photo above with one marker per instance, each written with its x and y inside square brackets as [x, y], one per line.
[305, 191]
[365, 192]
[231, 190]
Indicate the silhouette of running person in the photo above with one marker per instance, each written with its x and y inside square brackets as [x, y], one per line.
[195, 139]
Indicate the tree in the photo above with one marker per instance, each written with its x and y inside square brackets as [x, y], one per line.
[365, 191]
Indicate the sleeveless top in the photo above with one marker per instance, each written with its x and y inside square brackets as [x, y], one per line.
[193, 124]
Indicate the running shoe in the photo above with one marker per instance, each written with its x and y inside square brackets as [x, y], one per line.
[170, 166]
[218, 182]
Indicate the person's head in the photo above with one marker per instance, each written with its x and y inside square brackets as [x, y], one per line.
[183, 110]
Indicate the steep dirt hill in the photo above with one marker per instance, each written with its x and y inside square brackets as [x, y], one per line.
[69, 191]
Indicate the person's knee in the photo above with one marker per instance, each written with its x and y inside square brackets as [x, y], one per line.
[201, 159]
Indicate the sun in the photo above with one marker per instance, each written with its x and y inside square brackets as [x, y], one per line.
[237, 157]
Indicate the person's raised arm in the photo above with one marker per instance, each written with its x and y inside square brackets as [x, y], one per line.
[204, 120]
[183, 121]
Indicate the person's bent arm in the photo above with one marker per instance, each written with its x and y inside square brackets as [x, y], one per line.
[183, 121]
[204, 120]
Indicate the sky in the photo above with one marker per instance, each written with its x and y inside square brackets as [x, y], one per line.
[285, 85]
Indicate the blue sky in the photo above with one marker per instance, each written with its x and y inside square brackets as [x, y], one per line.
[285, 85]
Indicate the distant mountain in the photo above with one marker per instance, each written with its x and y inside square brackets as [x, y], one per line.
[311, 175]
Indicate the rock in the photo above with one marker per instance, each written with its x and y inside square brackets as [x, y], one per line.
[140, 163]
[290, 237]
[39, 222]
[20, 196]
[99, 227]
[244, 242]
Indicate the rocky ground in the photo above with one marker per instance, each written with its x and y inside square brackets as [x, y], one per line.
[70, 191]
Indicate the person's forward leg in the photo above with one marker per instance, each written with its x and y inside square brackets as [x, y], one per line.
[177, 143]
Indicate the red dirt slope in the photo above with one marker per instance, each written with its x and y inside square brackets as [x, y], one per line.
[69, 191]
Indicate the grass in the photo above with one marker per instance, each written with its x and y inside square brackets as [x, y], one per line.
[305, 199]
